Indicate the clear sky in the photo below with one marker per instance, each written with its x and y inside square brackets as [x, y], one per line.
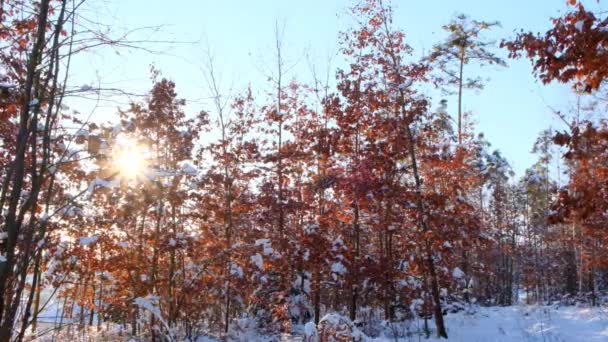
[511, 110]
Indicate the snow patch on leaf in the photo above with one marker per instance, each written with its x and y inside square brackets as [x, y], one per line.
[87, 240]
[457, 273]
[265, 243]
[236, 270]
[257, 260]
[337, 269]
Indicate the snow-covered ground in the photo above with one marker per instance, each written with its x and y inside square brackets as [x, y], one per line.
[519, 323]
[494, 324]
[529, 323]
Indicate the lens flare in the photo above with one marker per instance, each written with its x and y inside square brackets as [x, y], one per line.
[130, 159]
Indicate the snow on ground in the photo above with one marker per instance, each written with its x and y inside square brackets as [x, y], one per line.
[506, 324]
[493, 324]
[529, 323]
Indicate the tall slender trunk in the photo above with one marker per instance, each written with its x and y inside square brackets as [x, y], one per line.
[354, 296]
[99, 311]
[12, 227]
[82, 299]
[279, 112]
[460, 81]
[155, 259]
[317, 296]
[34, 294]
[36, 306]
[172, 266]
[62, 315]
[440, 325]
[441, 331]
[92, 311]
[228, 221]
[228, 162]
[134, 322]
[465, 256]
[388, 289]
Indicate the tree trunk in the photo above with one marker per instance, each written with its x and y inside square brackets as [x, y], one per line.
[460, 81]
[317, 296]
[7, 316]
[354, 295]
[441, 331]
[36, 306]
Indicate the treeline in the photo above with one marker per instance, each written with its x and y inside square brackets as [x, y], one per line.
[365, 199]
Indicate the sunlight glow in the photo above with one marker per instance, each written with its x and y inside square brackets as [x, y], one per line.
[130, 159]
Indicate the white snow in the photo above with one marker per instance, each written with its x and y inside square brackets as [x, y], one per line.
[103, 183]
[116, 130]
[311, 228]
[480, 324]
[502, 324]
[87, 240]
[579, 25]
[265, 243]
[457, 273]
[257, 260]
[337, 268]
[310, 329]
[82, 132]
[188, 168]
[528, 323]
[153, 173]
[147, 303]
[338, 245]
[150, 303]
[236, 270]
[344, 325]
[406, 84]
[44, 217]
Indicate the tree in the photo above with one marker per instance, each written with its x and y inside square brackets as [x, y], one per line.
[464, 45]
[572, 52]
[29, 161]
[227, 190]
[378, 50]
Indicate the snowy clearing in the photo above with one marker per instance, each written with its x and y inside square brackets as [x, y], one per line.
[530, 323]
[492, 324]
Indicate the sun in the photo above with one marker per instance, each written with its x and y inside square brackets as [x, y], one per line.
[130, 159]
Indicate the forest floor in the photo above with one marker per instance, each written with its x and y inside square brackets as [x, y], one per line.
[519, 323]
[529, 323]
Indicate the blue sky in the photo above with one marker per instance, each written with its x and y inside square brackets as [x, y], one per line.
[511, 110]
